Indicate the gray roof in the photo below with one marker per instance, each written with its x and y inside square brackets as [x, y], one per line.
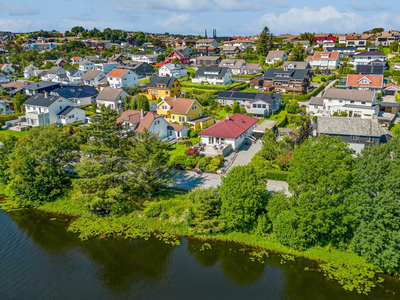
[53, 70]
[90, 74]
[77, 92]
[203, 70]
[208, 58]
[296, 74]
[296, 64]
[275, 54]
[249, 96]
[251, 66]
[232, 63]
[66, 111]
[356, 95]
[348, 126]
[316, 101]
[40, 85]
[109, 94]
[389, 104]
[41, 100]
[167, 81]
[72, 71]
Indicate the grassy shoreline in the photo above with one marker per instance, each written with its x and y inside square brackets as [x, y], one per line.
[350, 270]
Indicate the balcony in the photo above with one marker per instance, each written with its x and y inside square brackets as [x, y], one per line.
[36, 115]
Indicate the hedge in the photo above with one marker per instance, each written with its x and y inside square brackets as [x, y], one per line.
[201, 91]
[286, 98]
[4, 118]
[275, 175]
[282, 120]
[247, 75]
[210, 86]
[296, 119]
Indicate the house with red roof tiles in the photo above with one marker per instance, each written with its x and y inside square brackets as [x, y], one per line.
[230, 132]
[139, 120]
[121, 78]
[365, 82]
[324, 60]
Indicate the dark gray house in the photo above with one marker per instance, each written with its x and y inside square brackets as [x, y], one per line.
[355, 131]
[143, 69]
[40, 87]
[258, 104]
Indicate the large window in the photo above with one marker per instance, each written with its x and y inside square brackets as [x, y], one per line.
[181, 119]
[353, 138]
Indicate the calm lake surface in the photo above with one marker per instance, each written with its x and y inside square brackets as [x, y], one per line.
[39, 259]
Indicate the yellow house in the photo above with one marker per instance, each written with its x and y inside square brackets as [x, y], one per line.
[160, 87]
[182, 110]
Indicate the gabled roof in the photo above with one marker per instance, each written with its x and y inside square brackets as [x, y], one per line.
[392, 87]
[117, 73]
[179, 105]
[296, 64]
[250, 96]
[322, 55]
[157, 80]
[251, 66]
[41, 100]
[40, 85]
[208, 58]
[348, 126]
[356, 95]
[373, 80]
[205, 40]
[176, 127]
[54, 70]
[135, 117]
[275, 54]
[316, 101]
[232, 63]
[294, 74]
[77, 92]
[82, 62]
[211, 71]
[109, 94]
[231, 127]
[369, 53]
[66, 111]
[90, 74]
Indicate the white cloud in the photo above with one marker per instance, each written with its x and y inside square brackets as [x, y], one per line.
[325, 19]
[23, 10]
[235, 5]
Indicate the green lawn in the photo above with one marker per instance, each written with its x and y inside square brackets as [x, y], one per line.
[147, 80]
[10, 132]
[317, 78]
[253, 90]
[180, 149]
[191, 70]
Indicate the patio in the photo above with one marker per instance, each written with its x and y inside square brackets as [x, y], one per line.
[214, 150]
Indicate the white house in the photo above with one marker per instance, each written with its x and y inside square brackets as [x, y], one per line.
[76, 60]
[365, 82]
[8, 69]
[106, 67]
[113, 98]
[233, 131]
[120, 78]
[29, 71]
[93, 77]
[369, 58]
[206, 43]
[144, 57]
[74, 75]
[176, 131]
[44, 109]
[4, 79]
[176, 70]
[327, 44]
[355, 103]
[86, 65]
[252, 68]
[275, 56]
[213, 75]
[235, 65]
[52, 74]
[324, 60]
[5, 107]
[139, 120]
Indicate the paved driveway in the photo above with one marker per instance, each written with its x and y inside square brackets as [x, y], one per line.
[189, 180]
[246, 153]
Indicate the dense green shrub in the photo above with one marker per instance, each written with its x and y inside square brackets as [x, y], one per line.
[4, 118]
[275, 175]
[154, 210]
[282, 120]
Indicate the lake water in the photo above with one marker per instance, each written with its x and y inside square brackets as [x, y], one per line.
[40, 260]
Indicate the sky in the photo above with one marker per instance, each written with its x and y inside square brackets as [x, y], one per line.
[228, 17]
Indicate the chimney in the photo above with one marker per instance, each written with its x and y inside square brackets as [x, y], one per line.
[227, 116]
[45, 94]
[142, 113]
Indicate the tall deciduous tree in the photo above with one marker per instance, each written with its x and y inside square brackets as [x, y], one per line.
[242, 203]
[377, 214]
[7, 146]
[39, 171]
[19, 100]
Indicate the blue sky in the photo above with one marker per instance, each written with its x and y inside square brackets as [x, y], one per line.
[229, 17]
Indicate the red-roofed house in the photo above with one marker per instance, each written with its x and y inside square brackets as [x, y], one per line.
[390, 89]
[233, 131]
[139, 120]
[365, 82]
[120, 78]
[324, 60]
[184, 59]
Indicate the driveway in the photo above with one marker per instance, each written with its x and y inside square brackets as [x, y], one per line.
[246, 153]
[189, 180]
[329, 85]
[389, 98]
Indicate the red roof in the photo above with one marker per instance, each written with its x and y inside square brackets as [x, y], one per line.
[76, 57]
[374, 80]
[388, 86]
[117, 72]
[231, 128]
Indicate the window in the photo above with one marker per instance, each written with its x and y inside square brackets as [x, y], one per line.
[190, 118]
[353, 138]
[164, 107]
[330, 100]
[352, 101]
[254, 105]
[370, 139]
[173, 117]
[363, 102]
[259, 106]
[61, 107]
[340, 101]
[199, 115]
[181, 119]
[194, 107]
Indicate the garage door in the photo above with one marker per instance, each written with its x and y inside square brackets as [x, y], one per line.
[389, 92]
